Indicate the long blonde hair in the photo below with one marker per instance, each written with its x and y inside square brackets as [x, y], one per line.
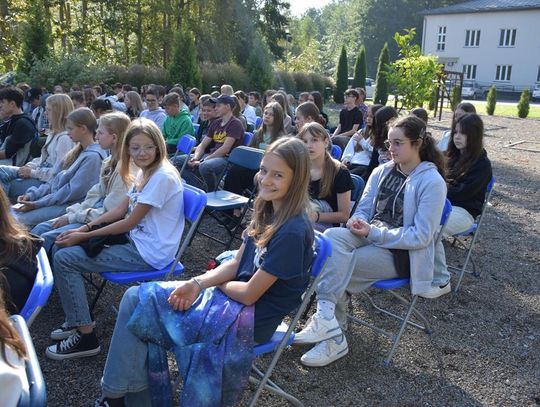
[61, 106]
[265, 223]
[150, 130]
[331, 166]
[115, 123]
[80, 117]
[135, 102]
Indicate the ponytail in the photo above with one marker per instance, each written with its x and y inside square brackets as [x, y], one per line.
[72, 155]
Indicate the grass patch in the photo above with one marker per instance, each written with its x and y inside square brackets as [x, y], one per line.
[506, 110]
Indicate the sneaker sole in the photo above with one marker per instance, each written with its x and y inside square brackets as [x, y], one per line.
[60, 336]
[313, 363]
[74, 355]
[332, 333]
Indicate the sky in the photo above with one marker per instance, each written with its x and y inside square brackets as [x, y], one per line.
[299, 6]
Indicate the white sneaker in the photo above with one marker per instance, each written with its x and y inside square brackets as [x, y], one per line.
[436, 291]
[325, 352]
[317, 329]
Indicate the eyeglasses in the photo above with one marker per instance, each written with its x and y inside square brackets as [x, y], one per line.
[151, 100]
[396, 143]
[136, 150]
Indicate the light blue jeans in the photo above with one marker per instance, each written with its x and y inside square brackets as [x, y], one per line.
[13, 185]
[49, 235]
[459, 221]
[71, 262]
[209, 170]
[39, 215]
[126, 370]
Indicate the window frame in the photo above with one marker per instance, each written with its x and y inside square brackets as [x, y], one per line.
[469, 72]
[472, 38]
[507, 37]
[441, 38]
[503, 71]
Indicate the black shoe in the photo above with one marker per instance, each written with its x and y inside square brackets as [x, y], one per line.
[77, 345]
[107, 402]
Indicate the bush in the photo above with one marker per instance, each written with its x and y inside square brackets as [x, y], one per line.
[523, 105]
[381, 92]
[303, 81]
[183, 67]
[455, 97]
[342, 77]
[491, 100]
[317, 82]
[286, 81]
[259, 65]
[138, 75]
[219, 74]
[35, 39]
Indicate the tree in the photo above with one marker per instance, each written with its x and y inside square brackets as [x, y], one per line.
[272, 24]
[359, 80]
[491, 100]
[381, 91]
[183, 67]
[259, 65]
[342, 76]
[455, 97]
[413, 75]
[523, 105]
[36, 37]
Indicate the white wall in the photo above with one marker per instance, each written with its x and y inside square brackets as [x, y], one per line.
[524, 56]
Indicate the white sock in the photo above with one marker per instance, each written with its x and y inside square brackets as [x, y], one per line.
[326, 309]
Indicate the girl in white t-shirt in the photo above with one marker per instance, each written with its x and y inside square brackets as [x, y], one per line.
[142, 233]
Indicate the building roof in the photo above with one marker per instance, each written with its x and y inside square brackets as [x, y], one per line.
[483, 6]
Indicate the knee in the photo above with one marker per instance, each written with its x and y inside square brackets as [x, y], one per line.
[337, 235]
[130, 300]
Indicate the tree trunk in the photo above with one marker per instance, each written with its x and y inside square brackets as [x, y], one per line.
[139, 32]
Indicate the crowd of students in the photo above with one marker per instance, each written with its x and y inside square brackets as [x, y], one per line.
[102, 194]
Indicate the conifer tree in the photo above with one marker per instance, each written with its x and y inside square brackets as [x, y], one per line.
[381, 91]
[35, 39]
[342, 77]
[359, 80]
[183, 67]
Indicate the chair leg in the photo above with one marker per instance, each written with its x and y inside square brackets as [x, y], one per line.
[396, 340]
[272, 388]
[96, 297]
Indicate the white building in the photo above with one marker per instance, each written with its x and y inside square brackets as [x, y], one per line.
[490, 41]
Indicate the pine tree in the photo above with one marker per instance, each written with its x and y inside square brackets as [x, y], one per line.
[381, 91]
[342, 77]
[259, 65]
[183, 67]
[359, 80]
[491, 100]
[523, 105]
[35, 38]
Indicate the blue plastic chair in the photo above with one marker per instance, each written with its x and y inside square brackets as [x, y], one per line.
[472, 233]
[282, 339]
[258, 122]
[41, 290]
[356, 194]
[37, 395]
[194, 203]
[336, 152]
[185, 146]
[247, 138]
[196, 128]
[392, 284]
[221, 200]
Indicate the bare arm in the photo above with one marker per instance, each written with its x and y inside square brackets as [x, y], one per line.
[342, 214]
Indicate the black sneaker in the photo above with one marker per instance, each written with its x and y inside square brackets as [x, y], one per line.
[77, 345]
[64, 331]
[107, 402]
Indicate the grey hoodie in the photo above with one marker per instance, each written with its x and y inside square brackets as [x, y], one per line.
[72, 184]
[423, 202]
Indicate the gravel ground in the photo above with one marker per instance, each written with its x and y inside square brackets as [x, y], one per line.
[485, 348]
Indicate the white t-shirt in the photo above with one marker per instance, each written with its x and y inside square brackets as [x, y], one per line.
[157, 234]
[13, 380]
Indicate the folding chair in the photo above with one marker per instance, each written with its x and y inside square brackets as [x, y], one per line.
[37, 392]
[41, 290]
[392, 284]
[336, 151]
[222, 200]
[359, 186]
[185, 146]
[258, 122]
[194, 202]
[196, 127]
[281, 339]
[247, 138]
[472, 233]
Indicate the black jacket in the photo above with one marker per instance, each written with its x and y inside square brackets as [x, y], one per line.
[469, 192]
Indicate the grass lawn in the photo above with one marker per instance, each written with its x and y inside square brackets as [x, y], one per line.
[506, 110]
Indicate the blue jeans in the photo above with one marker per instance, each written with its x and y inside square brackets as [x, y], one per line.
[71, 262]
[209, 170]
[126, 370]
[49, 235]
[39, 215]
[12, 184]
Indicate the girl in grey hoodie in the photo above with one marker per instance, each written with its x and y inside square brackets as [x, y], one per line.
[390, 235]
[73, 176]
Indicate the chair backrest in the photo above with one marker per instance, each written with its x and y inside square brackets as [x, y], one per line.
[37, 392]
[247, 138]
[336, 151]
[196, 127]
[194, 204]
[447, 209]
[356, 193]
[247, 157]
[41, 290]
[258, 122]
[186, 143]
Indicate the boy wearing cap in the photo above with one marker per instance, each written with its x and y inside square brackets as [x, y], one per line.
[178, 121]
[210, 157]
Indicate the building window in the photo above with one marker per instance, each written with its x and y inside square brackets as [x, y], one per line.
[507, 37]
[472, 38]
[503, 73]
[441, 38]
[469, 71]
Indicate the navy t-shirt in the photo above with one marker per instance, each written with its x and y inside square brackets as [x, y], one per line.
[288, 256]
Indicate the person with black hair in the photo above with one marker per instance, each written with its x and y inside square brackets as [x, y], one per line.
[350, 120]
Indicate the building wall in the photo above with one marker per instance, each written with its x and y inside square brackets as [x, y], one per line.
[524, 57]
